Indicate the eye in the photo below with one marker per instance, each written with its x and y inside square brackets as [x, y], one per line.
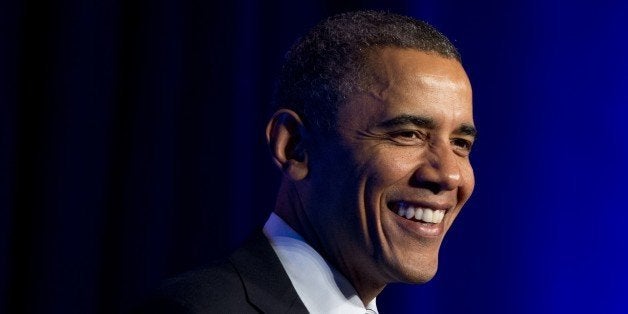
[408, 137]
[407, 134]
[462, 144]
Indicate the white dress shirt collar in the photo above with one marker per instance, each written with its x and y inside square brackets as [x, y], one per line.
[322, 288]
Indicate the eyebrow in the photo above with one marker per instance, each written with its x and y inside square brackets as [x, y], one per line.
[419, 121]
[428, 123]
[467, 129]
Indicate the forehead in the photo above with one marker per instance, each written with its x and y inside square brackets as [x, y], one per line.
[411, 82]
[414, 62]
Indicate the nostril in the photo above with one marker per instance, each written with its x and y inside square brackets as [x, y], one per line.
[432, 186]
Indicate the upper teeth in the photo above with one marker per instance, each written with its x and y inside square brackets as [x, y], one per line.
[420, 213]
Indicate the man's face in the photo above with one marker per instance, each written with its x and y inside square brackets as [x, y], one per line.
[387, 188]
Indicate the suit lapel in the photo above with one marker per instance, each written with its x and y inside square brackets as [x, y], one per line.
[266, 283]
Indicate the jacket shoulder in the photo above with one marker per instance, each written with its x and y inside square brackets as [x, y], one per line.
[217, 288]
[251, 280]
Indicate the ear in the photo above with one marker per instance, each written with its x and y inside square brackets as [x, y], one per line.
[285, 135]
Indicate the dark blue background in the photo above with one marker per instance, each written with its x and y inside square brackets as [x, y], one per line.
[131, 149]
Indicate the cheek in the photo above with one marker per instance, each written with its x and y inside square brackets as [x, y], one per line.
[469, 180]
[388, 167]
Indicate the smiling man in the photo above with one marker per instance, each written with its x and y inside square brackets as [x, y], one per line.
[372, 133]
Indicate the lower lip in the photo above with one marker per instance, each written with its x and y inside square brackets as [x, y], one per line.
[421, 229]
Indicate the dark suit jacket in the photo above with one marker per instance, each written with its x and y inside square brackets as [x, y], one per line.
[251, 280]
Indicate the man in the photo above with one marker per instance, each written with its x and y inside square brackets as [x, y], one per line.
[372, 134]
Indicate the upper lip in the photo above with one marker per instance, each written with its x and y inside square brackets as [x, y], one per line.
[424, 204]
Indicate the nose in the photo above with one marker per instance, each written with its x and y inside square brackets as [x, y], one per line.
[439, 170]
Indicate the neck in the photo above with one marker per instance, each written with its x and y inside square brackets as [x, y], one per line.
[289, 207]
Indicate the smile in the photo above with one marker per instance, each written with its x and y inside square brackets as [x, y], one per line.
[421, 214]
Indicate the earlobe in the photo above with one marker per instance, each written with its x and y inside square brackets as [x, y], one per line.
[285, 135]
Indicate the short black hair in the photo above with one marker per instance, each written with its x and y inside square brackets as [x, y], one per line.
[331, 61]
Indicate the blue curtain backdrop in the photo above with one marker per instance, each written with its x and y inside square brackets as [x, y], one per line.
[131, 149]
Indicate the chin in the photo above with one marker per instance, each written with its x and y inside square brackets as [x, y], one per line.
[421, 276]
[418, 272]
